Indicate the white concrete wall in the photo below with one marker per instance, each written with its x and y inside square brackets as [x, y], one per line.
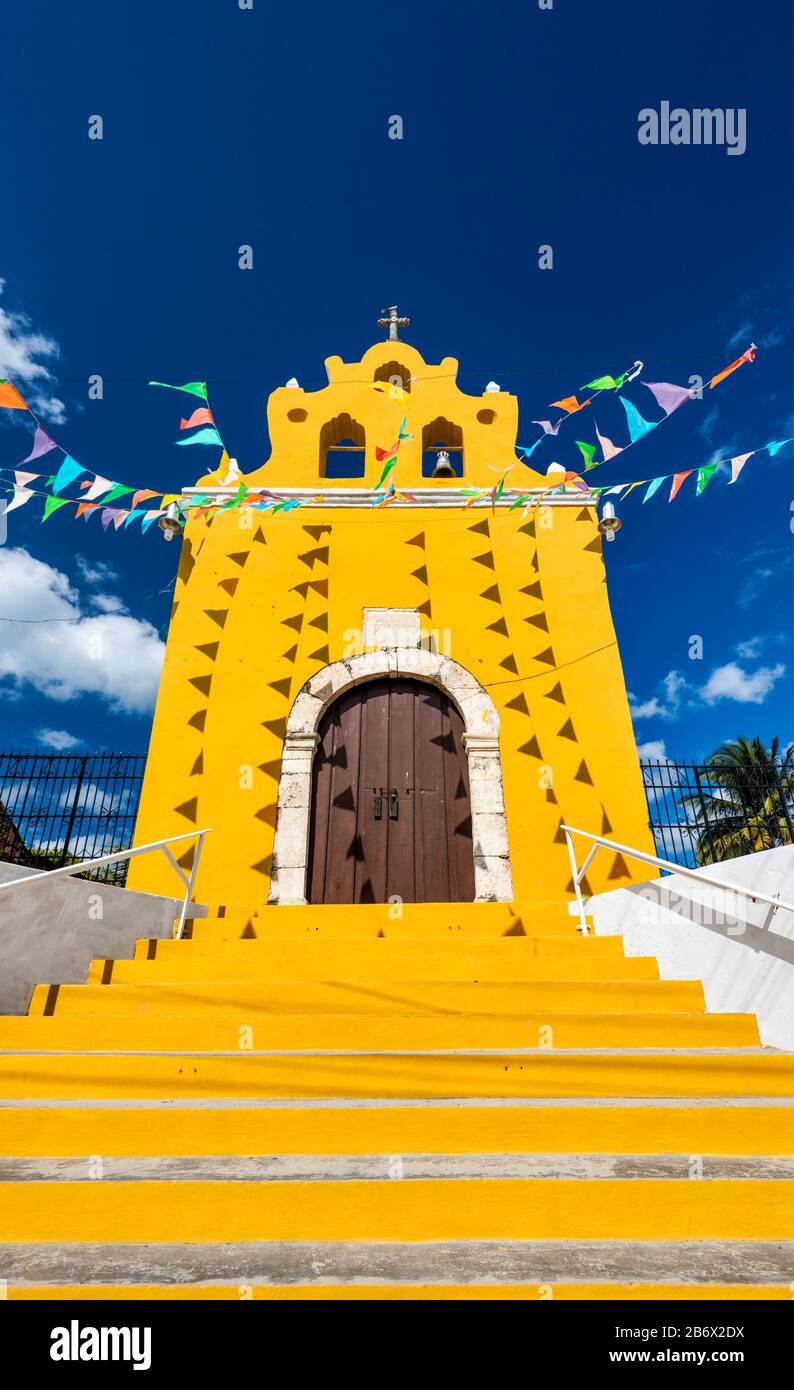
[742, 951]
[50, 932]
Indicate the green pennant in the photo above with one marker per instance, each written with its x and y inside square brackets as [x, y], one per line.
[51, 504]
[588, 454]
[391, 463]
[601, 383]
[705, 476]
[619, 380]
[194, 388]
[237, 500]
[117, 490]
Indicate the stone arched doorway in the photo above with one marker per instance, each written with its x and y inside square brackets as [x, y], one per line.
[390, 808]
[480, 739]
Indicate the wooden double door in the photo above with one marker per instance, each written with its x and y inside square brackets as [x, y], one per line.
[391, 813]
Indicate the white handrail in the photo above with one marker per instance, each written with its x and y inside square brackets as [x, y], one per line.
[600, 841]
[80, 867]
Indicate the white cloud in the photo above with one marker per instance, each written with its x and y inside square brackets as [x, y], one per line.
[707, 424]
[730, 682]
[96, 571]
[57, 739]
[646, 710]
[754, 585]
[750, 649]
[742, 337]
[672, 686]
[108, 603]
[111, 655]
[749, 332]
[21, 351]
[654, 749]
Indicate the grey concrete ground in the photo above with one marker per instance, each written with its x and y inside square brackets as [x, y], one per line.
[381, 1167]
[438, 1262]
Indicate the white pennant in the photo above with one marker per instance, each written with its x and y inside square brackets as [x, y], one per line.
[738, 463]
[21, 496]
[97, 488]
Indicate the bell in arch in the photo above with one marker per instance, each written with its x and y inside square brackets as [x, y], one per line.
[443, 468]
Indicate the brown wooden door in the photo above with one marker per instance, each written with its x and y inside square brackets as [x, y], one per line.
[391, 814]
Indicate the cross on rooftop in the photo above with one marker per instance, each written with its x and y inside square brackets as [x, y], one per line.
[393, 322]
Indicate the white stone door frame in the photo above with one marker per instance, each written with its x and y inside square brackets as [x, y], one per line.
[493, 880]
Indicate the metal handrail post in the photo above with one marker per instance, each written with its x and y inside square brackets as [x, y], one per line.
[189, 891]
[577, 890]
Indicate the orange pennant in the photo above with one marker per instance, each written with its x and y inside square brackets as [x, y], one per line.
[748, 356]
[140, 495]
[678, 479]
[85, 507]
[10, 398]
[569, 404]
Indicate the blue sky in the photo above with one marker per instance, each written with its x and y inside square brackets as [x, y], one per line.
[269, 127]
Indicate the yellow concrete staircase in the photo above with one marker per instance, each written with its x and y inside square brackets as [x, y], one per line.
[467, 1101]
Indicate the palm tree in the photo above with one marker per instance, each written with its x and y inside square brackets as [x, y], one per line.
[748, 803]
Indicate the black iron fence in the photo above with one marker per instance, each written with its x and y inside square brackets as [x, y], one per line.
[60, 808]
[702, 813]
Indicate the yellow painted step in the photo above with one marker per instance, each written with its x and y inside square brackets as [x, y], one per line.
[354, 955]
[370, 997]
[416, 921]
[180, 965]
[504, 1293]
[218, 1031]
[502, 1209]
[405, 1075]
[567, 1128]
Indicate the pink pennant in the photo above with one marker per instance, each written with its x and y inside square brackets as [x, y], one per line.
[120, 518]
[202, 416]
[609, 449]
[668, 396]
[22, 479]
[678, 479]
[738, 463]
[41, 445]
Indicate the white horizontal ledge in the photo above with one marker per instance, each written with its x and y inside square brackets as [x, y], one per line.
[440, 498]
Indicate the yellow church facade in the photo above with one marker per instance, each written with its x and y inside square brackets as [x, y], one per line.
[402, 702]
[387, 1063]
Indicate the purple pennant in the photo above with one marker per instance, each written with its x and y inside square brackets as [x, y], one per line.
[669, 396]
[41, 445]
[108, 514]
